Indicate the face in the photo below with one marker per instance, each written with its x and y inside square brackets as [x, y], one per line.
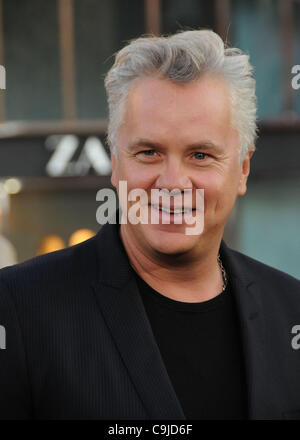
[179, 136]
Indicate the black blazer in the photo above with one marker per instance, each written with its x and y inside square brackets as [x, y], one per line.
[79, 344]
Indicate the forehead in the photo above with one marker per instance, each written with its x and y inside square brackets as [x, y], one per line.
[161, 106]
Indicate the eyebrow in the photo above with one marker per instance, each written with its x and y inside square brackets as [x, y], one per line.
[206, 145]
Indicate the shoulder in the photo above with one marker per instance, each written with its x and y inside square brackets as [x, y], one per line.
[277, 287]
[55, 270]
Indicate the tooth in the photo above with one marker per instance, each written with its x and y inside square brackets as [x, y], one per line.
[172, 211]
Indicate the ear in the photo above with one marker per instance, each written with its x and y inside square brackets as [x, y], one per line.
[114, 179]
[245, 170]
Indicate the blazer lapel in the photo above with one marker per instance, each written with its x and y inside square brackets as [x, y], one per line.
[122, 308]
[248, 296]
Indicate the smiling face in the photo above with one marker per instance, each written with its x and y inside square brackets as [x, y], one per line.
[179, 136]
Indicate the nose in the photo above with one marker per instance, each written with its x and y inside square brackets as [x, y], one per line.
[173, 177]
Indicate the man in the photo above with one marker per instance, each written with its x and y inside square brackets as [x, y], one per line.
[145, 321]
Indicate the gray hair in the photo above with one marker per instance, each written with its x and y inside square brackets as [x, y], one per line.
[184, 57]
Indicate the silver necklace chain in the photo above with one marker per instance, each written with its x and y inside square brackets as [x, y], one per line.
[224, 274]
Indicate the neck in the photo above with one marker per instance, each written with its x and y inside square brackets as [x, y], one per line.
[168, 274]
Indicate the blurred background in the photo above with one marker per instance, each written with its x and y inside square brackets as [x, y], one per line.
[53, 117]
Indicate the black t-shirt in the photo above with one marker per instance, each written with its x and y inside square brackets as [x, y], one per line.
[200, 345]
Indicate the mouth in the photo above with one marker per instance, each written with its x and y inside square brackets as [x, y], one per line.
[173, 210]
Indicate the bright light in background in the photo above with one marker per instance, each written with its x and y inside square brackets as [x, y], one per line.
[80, 235]
[12, 185]
[50, 243]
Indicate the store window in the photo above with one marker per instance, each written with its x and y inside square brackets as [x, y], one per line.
[101, 28]
[296, 14]
[31, 47]
[34, 52]
[255, 29]
[269, 30]
[193, 14]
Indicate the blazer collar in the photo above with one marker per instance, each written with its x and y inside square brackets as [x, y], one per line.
[248, 293]
[123, 311]
[122, 308]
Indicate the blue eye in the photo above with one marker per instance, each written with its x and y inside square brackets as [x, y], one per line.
[148, 152]
[199, 155]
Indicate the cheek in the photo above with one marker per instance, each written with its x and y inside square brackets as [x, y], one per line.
[219, 191]
[212, 183]
[136, 175]
[140, 176]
